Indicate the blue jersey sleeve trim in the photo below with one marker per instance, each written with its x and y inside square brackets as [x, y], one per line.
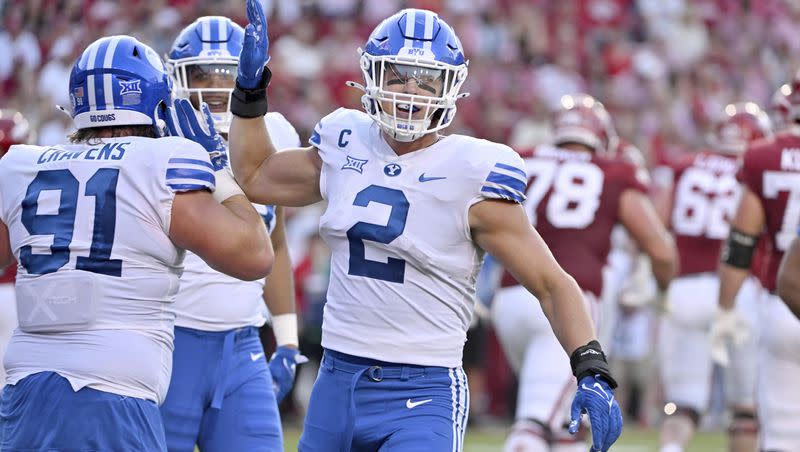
[188, 187]
[502, 193]
[192, 162]
[508, 181]
[192, 174]
[315, 139]
[513, 169]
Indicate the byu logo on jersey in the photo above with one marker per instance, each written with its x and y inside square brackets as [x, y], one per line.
[392, 169]
[354, 164]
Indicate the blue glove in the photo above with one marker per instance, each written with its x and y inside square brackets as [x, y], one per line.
[182, 121]
[282, 366]
[255, 48]
[596, 398]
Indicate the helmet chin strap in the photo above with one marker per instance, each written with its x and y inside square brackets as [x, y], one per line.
[390, 124]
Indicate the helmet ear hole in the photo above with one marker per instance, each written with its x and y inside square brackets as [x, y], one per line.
[136, 51]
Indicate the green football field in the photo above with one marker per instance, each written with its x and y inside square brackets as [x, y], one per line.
[633, 439]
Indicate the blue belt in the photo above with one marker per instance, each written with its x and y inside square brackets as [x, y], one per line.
[229, 338]
[375, 370]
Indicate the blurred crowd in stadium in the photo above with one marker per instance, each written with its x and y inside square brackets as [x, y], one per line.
[664, 69]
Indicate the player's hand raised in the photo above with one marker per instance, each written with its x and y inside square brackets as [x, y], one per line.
[255, 48]
[596, 398]
[182, 121]
[282, 366]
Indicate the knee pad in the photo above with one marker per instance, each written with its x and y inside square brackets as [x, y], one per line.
[744, 422]
[689, 413]
[563, 441]
[528, 436]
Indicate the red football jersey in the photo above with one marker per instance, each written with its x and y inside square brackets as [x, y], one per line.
[573, 201]
[8, 274]
[771, 170]
[704, 198]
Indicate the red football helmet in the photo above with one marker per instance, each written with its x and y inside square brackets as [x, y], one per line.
[793, 98]
[14, 129]
[742, 123]
[780, 107]
[583, 119]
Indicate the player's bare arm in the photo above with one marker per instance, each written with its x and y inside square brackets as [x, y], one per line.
[288, 178]
[502, 229]
[279, 288]
[789, 277]
[740, 246]
[642, 222]
[233, 238]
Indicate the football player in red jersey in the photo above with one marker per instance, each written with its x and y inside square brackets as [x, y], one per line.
[779, 107]
[14, 129]
[770, 205]
[577, 191]
[703, 200]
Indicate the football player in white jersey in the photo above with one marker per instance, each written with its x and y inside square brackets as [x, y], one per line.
[14, 129]
[99, 228]
[409, 215]
[219, 371]
[788, 284]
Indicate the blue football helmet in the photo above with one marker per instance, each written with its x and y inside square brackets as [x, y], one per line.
[118, 81]
[414, 44]
[206, 53]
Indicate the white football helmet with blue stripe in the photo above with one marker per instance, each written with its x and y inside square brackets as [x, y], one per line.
[208, 48]
[118, 81]
[412, 44]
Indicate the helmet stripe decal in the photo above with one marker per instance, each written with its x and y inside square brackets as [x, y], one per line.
[205, 31]
[108, 88]
[410, 26]
[90, 78]
[221, 35]
[428, 36]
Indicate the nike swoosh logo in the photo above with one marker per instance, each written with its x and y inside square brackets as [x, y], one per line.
[422, 178]
[255, 356]
[410, 404]
[602, 393]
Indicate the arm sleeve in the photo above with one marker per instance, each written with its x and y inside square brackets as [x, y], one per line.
[189, 169]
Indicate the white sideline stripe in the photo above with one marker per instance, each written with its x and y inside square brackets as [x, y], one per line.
[108, 61]
[205, 31]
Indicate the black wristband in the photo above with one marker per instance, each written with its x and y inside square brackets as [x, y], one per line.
[589, 360]
[251, 102]
[738, 249]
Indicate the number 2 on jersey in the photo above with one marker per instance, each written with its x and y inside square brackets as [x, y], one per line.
[103, 187]
[577, 187]
[393, 270]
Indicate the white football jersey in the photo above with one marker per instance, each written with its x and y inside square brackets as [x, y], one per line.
[89, 226]
[212, 301]
[403, 265]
